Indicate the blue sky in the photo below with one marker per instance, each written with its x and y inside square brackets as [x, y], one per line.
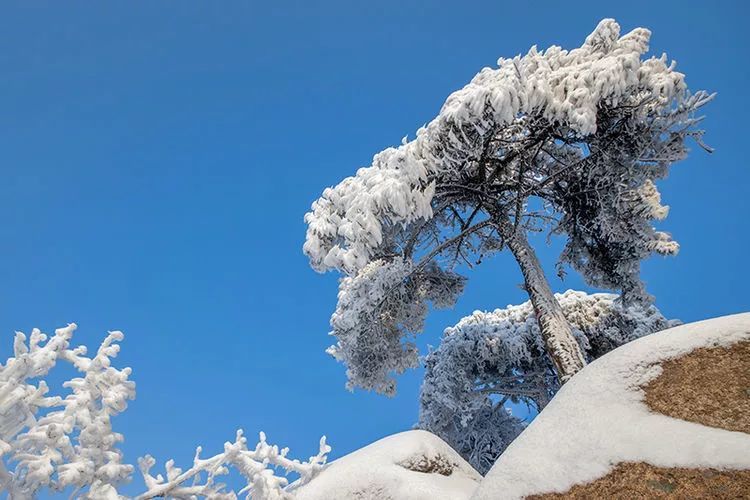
[158, 158]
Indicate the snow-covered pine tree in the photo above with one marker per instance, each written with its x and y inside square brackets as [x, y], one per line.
[491, 359]
[565, 141]
[56, 443]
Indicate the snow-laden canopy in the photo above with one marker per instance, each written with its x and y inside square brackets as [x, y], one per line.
[346, 224]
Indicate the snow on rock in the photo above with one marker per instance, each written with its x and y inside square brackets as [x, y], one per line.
[412, 465]
[599, 419]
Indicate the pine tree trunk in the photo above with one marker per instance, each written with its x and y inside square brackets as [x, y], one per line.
[556, 332]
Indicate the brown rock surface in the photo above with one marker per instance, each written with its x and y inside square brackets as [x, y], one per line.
[642, 481]
[710, 386]
[707, 386]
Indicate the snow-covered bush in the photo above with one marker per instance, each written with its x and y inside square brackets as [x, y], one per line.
[493, 358]
[565, 141]
[55, 442]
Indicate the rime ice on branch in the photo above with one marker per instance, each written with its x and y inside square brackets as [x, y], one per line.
[262, 483]
[569, 142]
[53, 442]
[490, 359]
[70, 444]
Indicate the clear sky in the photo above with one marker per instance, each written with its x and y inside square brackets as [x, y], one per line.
[158, 158]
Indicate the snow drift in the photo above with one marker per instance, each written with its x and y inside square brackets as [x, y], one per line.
[413, 465]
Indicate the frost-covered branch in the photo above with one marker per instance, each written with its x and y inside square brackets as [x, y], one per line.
[375, 308]
[72, 442]
[200, 479]
[56, 443]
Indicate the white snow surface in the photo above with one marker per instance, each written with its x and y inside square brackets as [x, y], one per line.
[599, 419]
[379, 472]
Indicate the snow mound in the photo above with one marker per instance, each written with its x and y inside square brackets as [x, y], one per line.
[598, 419]
[412, 465]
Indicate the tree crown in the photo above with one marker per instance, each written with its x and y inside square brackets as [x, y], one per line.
[570, 142]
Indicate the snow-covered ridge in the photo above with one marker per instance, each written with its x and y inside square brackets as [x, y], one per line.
[414, 465]
[599, 419]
